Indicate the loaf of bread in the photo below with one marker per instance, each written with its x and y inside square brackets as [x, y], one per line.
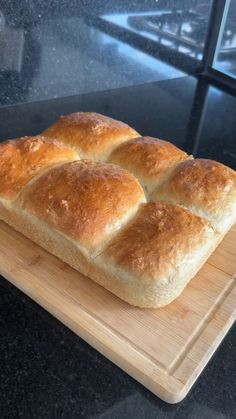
[135, 214]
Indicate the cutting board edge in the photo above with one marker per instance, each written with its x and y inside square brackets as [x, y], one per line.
[158, 382]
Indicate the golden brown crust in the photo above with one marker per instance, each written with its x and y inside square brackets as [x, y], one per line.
[26, 157]
[160, 240]
[86, 200]
[202, 185]
[92, 135]
[148, 158]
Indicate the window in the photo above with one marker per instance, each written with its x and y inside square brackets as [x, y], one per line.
[225, 53]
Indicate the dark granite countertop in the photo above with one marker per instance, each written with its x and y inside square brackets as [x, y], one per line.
[46, 371]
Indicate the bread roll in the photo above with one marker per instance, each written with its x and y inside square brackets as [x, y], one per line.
[151, 160]
[25, 158]
[157, 254]
[92, 135]
[206, 187]
[87, 201]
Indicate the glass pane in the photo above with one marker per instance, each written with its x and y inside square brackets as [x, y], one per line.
[225, 57]
[180, 25]
[216, 139]
[51, 49]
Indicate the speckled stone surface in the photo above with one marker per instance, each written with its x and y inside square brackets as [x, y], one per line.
[55, 48]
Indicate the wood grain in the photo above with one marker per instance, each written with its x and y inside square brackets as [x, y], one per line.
[165, 349]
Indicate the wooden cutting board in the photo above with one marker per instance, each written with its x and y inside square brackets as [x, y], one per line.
[164, 349]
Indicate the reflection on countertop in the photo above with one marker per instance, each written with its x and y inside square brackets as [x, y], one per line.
[56, 49]
[66, 56]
